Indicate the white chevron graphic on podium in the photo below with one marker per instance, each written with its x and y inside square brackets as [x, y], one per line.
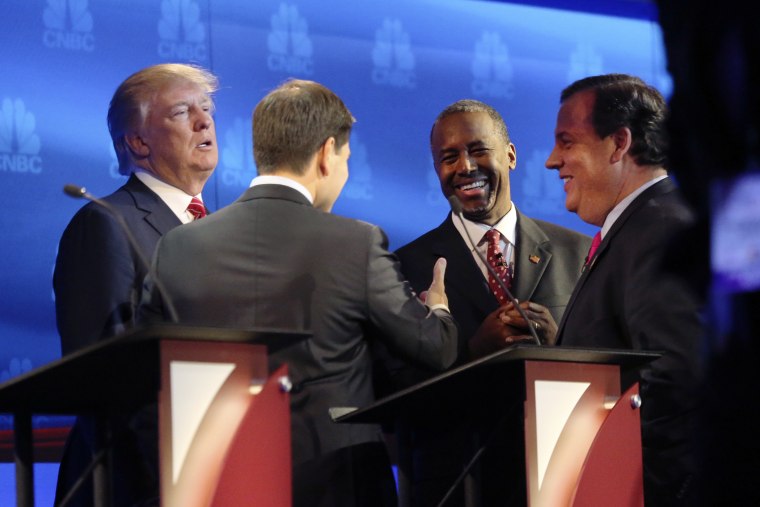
[555, 402]
[193, 387]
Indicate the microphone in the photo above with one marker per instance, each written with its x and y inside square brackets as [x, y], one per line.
[81, 193]
[456, 208]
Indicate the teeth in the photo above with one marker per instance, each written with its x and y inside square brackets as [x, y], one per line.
[470, 186]
[566, 179]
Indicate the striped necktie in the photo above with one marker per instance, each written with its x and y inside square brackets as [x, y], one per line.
[196, 208]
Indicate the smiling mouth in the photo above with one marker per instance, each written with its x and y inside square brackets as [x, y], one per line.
[472, 186]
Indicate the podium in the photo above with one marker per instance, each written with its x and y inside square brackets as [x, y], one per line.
[224, 423]
[581, 432]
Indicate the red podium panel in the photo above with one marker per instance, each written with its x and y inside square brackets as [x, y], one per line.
[208, 382]
[582, 439]
[612, 473]
[265, 432]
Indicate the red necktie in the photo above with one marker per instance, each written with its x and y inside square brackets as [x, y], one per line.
[594, 245]
[496, 259]
[196, 208]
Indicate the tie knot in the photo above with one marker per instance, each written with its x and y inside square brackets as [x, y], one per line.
[196, 208]
[492, 237]
[595, 242]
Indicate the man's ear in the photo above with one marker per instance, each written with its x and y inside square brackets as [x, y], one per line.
[137, 145]
[325, 155]
[512, 156]
[622, 138]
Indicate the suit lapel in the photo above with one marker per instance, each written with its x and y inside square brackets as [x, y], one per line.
[659, 188]
[463, 274]
[532, 257]
[157, 214]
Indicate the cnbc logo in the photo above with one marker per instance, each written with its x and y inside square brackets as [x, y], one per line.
[182, 34]
[359, 184]
[238, 167]
[585, 60]
[289, 44]
[491, 68]
[392, 56]
[542, 192]
[68, 25]
[19, 143]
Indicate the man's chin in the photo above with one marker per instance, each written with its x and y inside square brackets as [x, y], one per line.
[475, 214]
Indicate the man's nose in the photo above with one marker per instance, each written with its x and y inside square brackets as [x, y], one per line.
[553, 162]
[467, 164]
[204, 120]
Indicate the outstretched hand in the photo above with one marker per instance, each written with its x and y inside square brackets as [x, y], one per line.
[436, 294]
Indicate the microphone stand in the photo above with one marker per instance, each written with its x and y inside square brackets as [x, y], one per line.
[456, 208]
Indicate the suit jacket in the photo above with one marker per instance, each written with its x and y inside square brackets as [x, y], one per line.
[439, 452]
[97, 282]
[626, 300]
[271, 260]
[549, 281]
[98, 277]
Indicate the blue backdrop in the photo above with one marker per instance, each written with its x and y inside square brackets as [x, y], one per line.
[395, 63]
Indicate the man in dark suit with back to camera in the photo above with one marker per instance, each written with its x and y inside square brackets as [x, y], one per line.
[473, 156]
[610, 150]
[162, 127]
[276, 258]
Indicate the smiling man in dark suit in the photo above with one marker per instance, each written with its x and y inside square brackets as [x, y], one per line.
[473, 156]
[276, 258]
[162, 128]
[610, 150]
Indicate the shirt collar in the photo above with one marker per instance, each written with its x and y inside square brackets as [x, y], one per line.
[613, 215]
[176, 199]
[507, 227]
[273, 179]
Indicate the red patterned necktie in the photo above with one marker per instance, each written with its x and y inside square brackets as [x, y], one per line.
[196, 208]
[594, 245]
[500, 265]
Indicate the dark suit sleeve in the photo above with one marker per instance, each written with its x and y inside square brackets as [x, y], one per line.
[662, 314]
[406, 325]
[94, 280]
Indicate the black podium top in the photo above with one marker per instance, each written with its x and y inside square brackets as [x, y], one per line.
[481, 381]
[121, 371]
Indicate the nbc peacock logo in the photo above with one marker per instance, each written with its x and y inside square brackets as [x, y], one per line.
[68, 25]
[359, 184]
[290, 48]
[19, 143]
[237, 166]
[585, 60]
[183, 35]
[392, 56]
[491, 68]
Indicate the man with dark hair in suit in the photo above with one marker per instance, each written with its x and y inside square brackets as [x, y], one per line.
[611, 153]
[473, 157]
[162, 127]
[276, 258]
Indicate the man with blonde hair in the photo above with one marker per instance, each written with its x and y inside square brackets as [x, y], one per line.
[162, 127]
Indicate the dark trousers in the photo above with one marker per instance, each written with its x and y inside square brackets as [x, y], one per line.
[356, 476]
